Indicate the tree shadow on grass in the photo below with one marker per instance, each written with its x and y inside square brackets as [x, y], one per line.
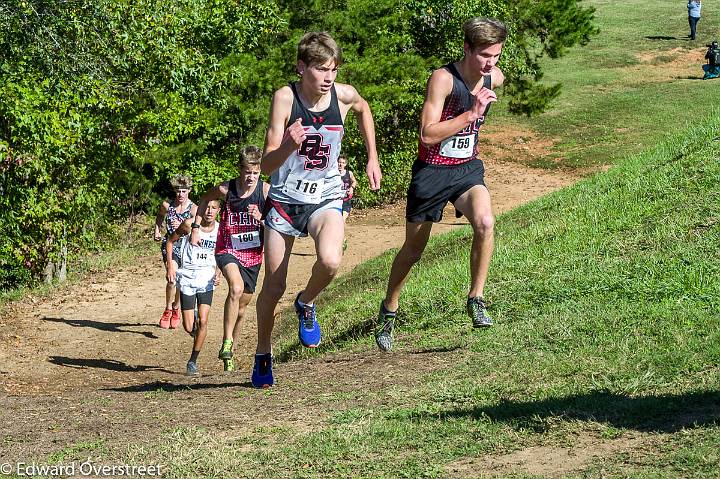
[164, 386]
[660, 37]
[657, 413]
[109, 364]
[111, 327]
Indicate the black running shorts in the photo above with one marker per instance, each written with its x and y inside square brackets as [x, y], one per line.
[432, 186]
[188, 302]
[249, 274]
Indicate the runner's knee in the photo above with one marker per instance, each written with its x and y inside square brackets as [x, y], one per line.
[411, 253]
[483, 224]
[331, 264]
[235, 290]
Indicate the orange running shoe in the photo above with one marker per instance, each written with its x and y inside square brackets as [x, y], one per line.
[165, 319]
[175, 318]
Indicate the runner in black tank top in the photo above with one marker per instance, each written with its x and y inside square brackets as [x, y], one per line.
[458, 98]
[301, 148]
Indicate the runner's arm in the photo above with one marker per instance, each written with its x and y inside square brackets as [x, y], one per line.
[281, 141]
[432, 130]
[497, 78]
[159, 219]
[349, 95]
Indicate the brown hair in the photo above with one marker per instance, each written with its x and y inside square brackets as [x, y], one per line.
[250, 155]
[316, 48]
[483, 32]
[181, 181]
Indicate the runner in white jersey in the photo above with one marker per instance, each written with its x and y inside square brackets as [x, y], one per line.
[301, 150]
[196, 276]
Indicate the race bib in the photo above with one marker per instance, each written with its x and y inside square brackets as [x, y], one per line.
[304, 190]
[201, 257]
[250, 239]
[460, 146]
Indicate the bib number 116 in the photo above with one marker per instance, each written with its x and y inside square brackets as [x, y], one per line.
[307, 187]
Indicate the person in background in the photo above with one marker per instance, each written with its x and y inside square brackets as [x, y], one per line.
[712, 68]
[239, 247]
[694, 7]
[172, 213]
[196, 277]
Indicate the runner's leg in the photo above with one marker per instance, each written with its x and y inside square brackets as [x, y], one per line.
[277, 255]
[240, 323]
[203, 313]
[327, 230]
[476, 206]
[416, 238]
[236, 287]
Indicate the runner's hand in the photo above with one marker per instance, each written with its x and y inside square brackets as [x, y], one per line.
[217, 278]
[374, 174]
[195, 237]
[157, 236]
[483, 97]
[175, 222]
[171, 275]
[295, 133]
[254, 211]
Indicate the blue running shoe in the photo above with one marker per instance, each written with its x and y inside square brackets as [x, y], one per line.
[262, 375]
[308, 329]
[192, 369]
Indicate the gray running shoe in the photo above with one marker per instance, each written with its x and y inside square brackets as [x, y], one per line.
[192, 369]
[384, 328]
[477, 310]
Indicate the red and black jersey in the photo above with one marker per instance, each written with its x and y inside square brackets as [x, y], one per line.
[461, 147]
[240, 233]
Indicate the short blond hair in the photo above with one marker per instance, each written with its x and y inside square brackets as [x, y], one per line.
[316, 48]
[181, 181]
[250, 155]
[483, 32]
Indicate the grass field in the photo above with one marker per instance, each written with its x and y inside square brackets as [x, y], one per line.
[605, 298]
[605, 357]
[629, 86]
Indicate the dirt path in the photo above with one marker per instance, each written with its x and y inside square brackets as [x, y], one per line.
[90, 361]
